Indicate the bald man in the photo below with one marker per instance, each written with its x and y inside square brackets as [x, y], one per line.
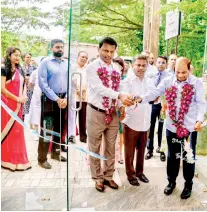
[192, 122]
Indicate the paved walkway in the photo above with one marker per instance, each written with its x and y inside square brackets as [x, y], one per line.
[40, 189]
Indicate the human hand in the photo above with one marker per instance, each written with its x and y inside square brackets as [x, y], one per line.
[63, 104]
[22, 99]
[198, 126]
[59, 101]
[126, 99]
[156, 100]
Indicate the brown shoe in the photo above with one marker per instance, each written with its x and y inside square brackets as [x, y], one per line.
[45, 165]
[111, 184]
[99, 186]
[58, 157]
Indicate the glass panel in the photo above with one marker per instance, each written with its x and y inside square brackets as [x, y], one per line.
[30, 25]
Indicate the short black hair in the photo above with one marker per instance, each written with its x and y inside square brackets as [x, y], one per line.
[82, 52]
[109, 41]
[163, 57]
[54, 41]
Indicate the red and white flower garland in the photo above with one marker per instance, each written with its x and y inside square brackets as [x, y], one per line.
[105, 78]
[186, 99]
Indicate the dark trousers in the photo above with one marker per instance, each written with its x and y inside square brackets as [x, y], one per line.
[54, 119]
[173, 163]
[82, 120]
[154, 115]
[134, 140]
[193, 141]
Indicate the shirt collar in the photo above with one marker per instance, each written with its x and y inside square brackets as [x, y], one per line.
[186, 81]
[162, 72]
[81, 68]
[53, 58]
[134, 77]
[103, 63]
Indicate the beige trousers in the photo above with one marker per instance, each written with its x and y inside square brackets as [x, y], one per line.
[96, 128]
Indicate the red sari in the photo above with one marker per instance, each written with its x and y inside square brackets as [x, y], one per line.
[13, 146]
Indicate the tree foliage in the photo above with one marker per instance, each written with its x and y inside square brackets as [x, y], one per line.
[193, 26]
[17, 20]
[91, 20]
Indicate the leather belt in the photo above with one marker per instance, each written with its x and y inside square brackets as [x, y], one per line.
[95, 108]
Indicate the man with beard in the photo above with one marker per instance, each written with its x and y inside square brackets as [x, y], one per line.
[53, 77]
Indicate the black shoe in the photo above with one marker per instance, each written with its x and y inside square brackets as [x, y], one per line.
[186, 193]
[64, 149]
[72, 139]
[169, 189]
[143, 178]
[134, 182]
[58, 157]
[83, 140]
[162, 156]
[45, 165]
[158, 149]
[148, 155]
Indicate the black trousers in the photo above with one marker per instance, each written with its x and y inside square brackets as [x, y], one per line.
[156, 108]
[173, 163]
[82, 120]
[52, 118]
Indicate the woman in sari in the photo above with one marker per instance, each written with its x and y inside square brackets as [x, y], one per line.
[13, 94]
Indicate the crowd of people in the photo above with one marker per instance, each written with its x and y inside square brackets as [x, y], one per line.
[114, 98]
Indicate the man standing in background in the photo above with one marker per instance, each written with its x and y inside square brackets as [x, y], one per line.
[171, 63]
[52, 78]
[156, 108]
[81, 68]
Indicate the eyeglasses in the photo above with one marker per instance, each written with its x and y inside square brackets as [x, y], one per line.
[163, 63]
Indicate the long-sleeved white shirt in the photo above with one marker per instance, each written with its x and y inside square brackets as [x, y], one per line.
[138, 118]
[197, 108]
[77, 69]
[96, 90]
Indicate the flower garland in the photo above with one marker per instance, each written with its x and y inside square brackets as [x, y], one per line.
[105, 78]
[186, 98]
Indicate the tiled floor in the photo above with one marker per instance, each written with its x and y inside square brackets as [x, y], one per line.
[41, 189]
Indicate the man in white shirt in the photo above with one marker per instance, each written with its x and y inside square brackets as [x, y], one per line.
[136, 121]
[160, 75]
[171, 63]
[103, 78]
[151, 69]
[180, 124]
[81, 67]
